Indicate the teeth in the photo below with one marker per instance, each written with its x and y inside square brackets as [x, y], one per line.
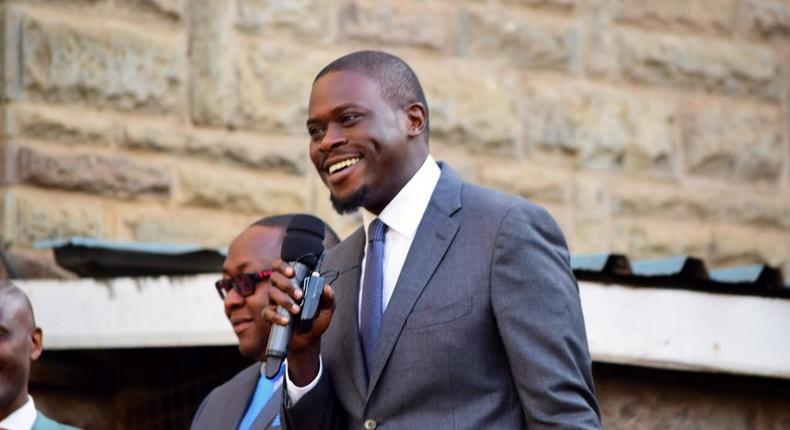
[342, 164]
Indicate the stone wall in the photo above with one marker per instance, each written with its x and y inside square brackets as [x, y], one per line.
[646, 127]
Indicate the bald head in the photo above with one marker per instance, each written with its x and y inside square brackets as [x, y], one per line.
[14, 301]
[20, 344]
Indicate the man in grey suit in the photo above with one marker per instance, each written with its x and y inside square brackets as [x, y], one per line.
[20, 344]
[249, 400]
[457, 310]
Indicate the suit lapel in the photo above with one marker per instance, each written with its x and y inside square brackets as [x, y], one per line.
[239, 396]
[433, 237]
[347, 296]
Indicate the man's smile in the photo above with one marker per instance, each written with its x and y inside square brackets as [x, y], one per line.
[340, 165]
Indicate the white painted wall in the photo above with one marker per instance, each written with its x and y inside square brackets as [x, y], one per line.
[628, 325]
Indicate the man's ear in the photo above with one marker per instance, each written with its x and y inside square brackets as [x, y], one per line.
[36, 343]
[417, 117]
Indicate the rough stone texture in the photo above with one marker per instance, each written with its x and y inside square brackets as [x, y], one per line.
[520, 38]
[768, 18]
[599, 127]
[31, 215]
[32, 264]
[528, 180]
[205, 227]
[697, 63]
[559, 5]
[457, 90]
[419, 24]
[210, 50]
[766, 210]
[234, 190]
[269, 153]
[60, 125]
[272, 86]
[306, 18]
[714, 16]
[734, 142]
[591, 202]
[103, 65]
[111, 175]
[735, 245]
[633, 198]
[645, 399]
[654, 238]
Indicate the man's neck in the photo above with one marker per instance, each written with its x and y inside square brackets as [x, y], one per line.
[11, 407]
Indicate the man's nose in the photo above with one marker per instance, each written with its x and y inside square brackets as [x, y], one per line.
[333, 138]
[233, 299]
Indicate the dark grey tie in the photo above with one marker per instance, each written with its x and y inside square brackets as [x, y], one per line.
[372, 286]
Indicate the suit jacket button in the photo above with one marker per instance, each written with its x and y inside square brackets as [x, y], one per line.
[370, 424]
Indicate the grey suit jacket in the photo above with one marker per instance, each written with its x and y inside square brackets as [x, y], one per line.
[225, 405]
[44, 423]
[484, 328]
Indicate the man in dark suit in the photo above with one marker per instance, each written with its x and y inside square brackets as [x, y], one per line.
[249, 400]
[20, 345]
[455, 306]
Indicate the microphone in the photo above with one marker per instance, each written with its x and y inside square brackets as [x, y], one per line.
[302, 248]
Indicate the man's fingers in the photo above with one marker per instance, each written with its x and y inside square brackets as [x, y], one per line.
[280, 298]
[271, 315]
[283, 283]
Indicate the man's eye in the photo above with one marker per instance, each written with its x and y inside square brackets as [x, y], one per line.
[315, 131]
[350, 117]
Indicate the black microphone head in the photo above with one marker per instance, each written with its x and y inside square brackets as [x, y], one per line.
[303, 240]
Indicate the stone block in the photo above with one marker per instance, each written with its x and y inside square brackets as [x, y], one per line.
[61, 125]
[10, 36]
[557, 5]
[527, 180]
[31, 215]
[768, 18]
[205, 227]
[272, 86]
[760, 210]
[734, 142]
[735, 245]
[101, 65]
[530, 41]
[600, 127]
[712, 16]
[698, 63]
[270, 153]
[472, 104]
[100, 174]
[154, 136]
[306, 18]
[419, 24]
[634, 198]
[211, 49]
[650, 238]
[591, 207]
[235, 190]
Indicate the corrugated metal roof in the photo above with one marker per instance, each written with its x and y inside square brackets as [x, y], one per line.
[90, 257]
[682, 271]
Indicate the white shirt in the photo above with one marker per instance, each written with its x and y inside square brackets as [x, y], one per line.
[22, 418]
[402, 215]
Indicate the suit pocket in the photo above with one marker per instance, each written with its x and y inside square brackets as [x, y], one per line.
[441, 314]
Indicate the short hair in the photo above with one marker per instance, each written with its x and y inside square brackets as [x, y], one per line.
[12, 292]
[281, 222]
[398, 82]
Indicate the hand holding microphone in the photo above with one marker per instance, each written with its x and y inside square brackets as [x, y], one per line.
[302, 301]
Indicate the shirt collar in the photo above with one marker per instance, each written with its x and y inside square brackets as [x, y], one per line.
[404, 212]
[22, 418]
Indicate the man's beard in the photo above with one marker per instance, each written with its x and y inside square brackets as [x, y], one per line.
[352, 202]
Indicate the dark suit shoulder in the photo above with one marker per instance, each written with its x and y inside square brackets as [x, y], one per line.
[251, 372]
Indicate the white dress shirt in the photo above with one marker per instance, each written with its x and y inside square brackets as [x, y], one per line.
[402, 215]
[22, 418]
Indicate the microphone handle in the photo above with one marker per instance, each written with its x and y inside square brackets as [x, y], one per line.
[280, 336]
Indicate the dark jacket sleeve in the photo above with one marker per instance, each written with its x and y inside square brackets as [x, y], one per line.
[316, 410]
[538, 313]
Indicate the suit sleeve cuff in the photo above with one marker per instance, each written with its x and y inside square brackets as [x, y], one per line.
[295, 393]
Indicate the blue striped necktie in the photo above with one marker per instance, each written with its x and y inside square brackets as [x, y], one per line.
[372, 303]
[263, 392]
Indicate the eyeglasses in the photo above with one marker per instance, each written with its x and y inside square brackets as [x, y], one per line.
[243, 283]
